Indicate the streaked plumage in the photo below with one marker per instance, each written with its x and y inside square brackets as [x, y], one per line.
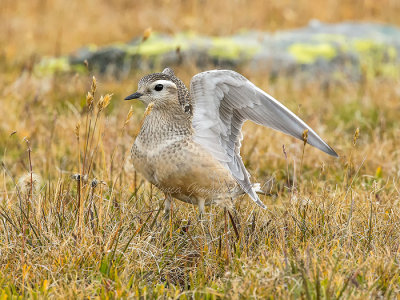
[189, 143]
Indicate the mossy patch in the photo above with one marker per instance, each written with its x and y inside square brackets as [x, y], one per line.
[335, 38]
[371, 57]
[376, 58]
[228, 48]
[366, 46]
[309, 53]
[52, 65]
[157, 44]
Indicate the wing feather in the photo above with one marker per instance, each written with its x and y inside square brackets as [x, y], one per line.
[222, 101]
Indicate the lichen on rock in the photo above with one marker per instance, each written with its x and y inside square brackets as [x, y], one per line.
[355, 49]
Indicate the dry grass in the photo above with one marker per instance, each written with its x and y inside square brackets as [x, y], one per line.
[335, 234]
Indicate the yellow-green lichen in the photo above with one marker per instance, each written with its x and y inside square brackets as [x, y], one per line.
[366, 46]
[230, 49]
[376, 59]
[392, 53]
[374, 50]
[156, 45]
[92, 47]
[309, 53]
[51, 65]
[338, 40]
[389, 70]
[326, 37]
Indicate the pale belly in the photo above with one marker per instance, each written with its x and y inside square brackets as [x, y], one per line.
[186, 171]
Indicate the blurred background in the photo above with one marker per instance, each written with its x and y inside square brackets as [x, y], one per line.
[55, 27]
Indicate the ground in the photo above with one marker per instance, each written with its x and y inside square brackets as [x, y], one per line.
[332, 225]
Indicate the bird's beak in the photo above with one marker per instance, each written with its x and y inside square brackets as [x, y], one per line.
[134, 96]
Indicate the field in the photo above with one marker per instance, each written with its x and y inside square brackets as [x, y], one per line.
[332, 225]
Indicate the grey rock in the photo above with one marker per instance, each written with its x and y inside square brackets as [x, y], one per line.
[353, 50]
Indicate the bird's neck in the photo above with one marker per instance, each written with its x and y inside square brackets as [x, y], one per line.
[165, 121]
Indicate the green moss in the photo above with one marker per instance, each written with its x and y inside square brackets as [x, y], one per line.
[392, 53]
[326, 37]
[50, 65]
[376, 49]
[92, 47]
[231, 49]
[156, 45]
[365, 46]
[376, 59]
[389, 70]
[309, 53]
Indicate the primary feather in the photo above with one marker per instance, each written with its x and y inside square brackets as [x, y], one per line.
[222, 101]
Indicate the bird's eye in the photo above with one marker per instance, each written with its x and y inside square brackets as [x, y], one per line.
[158, 87]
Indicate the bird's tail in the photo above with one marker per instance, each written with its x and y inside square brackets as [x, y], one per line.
[256, 187]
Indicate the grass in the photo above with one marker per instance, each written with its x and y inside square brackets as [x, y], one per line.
[335, 234]
[332, 225]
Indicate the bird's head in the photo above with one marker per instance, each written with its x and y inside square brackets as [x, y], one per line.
[157, 88]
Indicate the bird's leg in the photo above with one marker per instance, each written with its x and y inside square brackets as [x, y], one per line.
[201, 203]
[167, 206]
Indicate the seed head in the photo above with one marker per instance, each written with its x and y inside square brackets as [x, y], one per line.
[356, 135]
[79, 177]
[94, 85]
[305, 136]
[284, 151]
[129, 115]
[104, 101]
[148, 109]
[24, 183]
[89, 100]
[77, 127]
[146, 34]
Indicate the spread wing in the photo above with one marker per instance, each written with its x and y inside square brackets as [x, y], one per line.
[223, 100]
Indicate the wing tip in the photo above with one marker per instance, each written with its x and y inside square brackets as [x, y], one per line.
[255, 198]
[334, 154]
[262, 205]
[330, 152]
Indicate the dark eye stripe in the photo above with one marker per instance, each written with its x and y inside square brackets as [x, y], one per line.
[158, 87]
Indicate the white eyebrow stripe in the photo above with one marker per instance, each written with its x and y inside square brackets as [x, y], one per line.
[166, 83]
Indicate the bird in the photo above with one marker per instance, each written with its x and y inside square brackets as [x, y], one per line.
[189, 142]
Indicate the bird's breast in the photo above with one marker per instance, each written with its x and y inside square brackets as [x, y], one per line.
[157, 138]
